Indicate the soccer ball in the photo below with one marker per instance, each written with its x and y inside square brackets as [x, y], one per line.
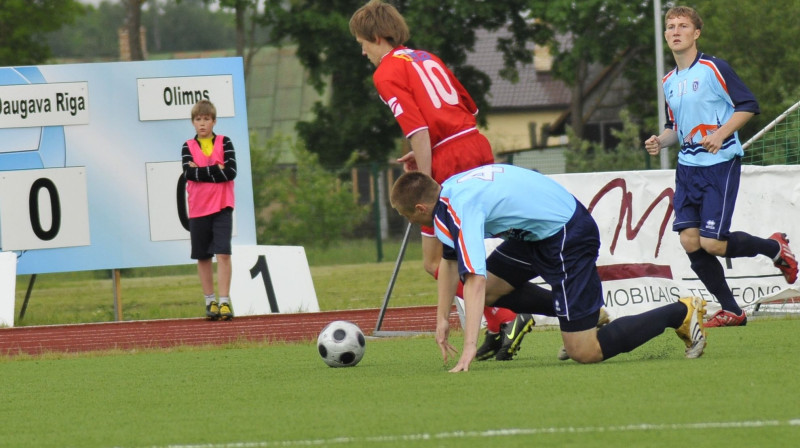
[341, 344]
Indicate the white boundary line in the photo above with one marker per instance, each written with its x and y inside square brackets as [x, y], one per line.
[496, 433]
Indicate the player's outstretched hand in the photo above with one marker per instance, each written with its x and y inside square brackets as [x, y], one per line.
[409, 162]
[464, 361]
[442, 339]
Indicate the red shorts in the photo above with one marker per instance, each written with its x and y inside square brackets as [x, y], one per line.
[456, 156]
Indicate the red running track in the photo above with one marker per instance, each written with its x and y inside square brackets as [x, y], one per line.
[198, 331]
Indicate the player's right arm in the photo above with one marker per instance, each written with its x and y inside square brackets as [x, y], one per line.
[654, 144]
[420, 156]
[447, 283]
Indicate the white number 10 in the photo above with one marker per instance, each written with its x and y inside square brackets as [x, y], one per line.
[433, 83]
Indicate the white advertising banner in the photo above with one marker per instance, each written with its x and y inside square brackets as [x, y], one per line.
[642, 263]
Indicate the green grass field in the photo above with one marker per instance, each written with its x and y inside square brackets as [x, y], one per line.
[742, 393]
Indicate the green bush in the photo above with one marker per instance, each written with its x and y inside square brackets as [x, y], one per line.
[629, 154]
[301, 204]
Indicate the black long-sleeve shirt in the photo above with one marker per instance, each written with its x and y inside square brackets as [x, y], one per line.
[212, 173]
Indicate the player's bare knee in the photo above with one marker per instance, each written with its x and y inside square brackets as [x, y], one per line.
[714, 247]
[585, 355]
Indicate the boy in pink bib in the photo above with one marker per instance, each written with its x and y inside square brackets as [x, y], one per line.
[209, 166]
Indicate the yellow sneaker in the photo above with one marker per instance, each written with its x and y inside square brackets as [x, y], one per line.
[225, 311]
[212, 311]
[692, 331]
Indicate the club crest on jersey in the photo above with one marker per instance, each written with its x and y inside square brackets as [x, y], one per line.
[412, 55]
[696, 85]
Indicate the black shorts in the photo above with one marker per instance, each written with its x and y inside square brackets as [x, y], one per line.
[705, 197]
[566, 261]
[211, 234]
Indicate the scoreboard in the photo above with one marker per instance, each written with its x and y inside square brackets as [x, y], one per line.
[90, 161]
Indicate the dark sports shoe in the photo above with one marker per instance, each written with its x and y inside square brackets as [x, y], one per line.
[489, 347]
[512, 334]
[225, 311]
[786, 261]
[212, 311]
[724, 318]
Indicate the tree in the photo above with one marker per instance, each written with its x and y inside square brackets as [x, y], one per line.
[190, 25]
[304, 204]
[356, 121]
[133, 23]
[171, 26]
[612, 33]
[93, 35]
[245, 36]
[24, 25]
[628, 154]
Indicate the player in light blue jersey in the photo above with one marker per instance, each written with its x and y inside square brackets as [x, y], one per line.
[706, 105]
[547, 233]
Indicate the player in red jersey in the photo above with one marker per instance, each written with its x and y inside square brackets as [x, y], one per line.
[437, 116]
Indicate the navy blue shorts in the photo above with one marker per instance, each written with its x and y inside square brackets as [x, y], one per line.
[705, 197]
[211, 234]
[567, 261]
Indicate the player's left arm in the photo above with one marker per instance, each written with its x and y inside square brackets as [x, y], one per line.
[474, 300]
[744, 103]
[713, 142]
[228, 170]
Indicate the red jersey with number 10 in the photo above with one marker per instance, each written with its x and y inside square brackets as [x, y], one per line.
[424, 94]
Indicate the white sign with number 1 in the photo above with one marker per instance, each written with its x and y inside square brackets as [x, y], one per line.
[271, 280]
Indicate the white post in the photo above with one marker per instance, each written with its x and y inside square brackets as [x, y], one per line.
[8, 285]
[662, 115]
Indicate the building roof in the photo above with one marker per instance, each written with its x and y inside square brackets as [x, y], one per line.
[534, 90]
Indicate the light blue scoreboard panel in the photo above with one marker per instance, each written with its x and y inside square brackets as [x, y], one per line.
[90, 161]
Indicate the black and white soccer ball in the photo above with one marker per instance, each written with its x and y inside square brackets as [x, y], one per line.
[341, 344]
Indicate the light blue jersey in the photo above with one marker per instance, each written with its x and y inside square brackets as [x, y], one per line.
[500, 201]
[700, 99]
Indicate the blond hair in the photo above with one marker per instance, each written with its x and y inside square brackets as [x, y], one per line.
[204, 107]
[685, 11]
[378, 19]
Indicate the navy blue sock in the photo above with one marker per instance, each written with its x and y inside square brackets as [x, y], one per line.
[528, 298]
[624, 334]
[709, 270]
[741, 244]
